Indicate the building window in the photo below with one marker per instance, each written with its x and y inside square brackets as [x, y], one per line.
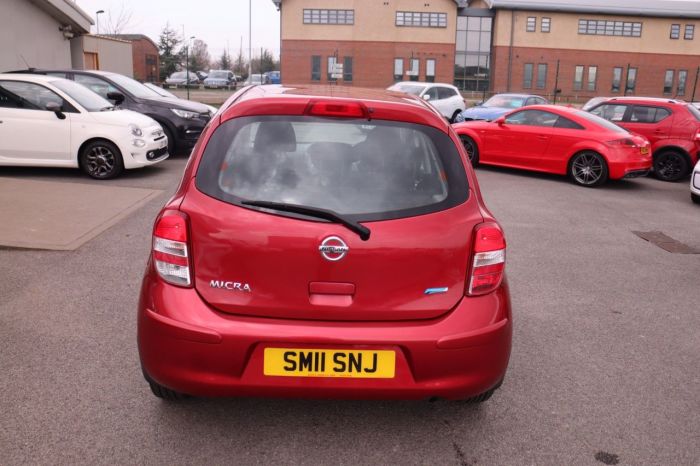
[689, 32]
[315, 67]
[473, 53]
[609, 28]
[578, 78]
[668, 81]
[675, 31]
[398, 69]
[541, 75]
[682, 78]
[631, 80]
[347, 69]
[592, 77]
[413, 69]
[331, 65]
[545, 24]
[531, 25]
[430, 70]
[527, 75]
[329, 16]
[421, 19]
[617, 79]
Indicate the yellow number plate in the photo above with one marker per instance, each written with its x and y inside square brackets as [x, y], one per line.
[295, 362]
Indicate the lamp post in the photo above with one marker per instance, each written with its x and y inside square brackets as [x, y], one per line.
[187, 66]
[97, 19]
[250, 41]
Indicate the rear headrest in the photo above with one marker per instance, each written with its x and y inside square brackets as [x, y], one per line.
[277, 136]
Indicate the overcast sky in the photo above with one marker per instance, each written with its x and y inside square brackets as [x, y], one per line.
[219, 23]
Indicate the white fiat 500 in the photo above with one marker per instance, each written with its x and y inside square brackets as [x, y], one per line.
[695, 184]
[53, 122]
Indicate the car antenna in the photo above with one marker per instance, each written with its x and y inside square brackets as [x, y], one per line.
[25, 62]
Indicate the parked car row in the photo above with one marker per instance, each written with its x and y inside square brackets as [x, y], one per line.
[218, 79]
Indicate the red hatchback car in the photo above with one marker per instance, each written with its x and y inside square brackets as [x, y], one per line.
[326, 242]
[672, 127]
[559, 140]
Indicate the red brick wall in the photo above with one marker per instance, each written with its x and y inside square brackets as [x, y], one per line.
[373, 62]
[141, 48]
[651, 69]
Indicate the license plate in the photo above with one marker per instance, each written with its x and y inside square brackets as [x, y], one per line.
[295, 362]
[644, 150]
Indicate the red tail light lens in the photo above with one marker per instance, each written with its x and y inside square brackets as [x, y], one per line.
[488, 259]
[337, 109]
[625, 142]
[170, 248]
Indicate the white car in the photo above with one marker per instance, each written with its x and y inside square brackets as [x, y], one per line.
[695, 184]
[444, 97]
[53, 122]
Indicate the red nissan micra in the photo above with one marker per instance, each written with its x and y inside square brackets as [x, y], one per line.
[326, 242]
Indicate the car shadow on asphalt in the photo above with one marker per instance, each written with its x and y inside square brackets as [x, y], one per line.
[74, 175]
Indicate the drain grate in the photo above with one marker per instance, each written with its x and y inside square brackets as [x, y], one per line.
[665, 242]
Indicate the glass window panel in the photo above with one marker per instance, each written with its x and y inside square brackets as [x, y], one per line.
[527, 76]
[668, 81]
[617, 77]
[473, 23]
[578, 78]
[675, 31]
[592, 77]
[461, 40]
[398, 69]
[541, 75]
[631, 79]
[462, 23]
[682, 78]
[485, 42]
[689, 32]
[486, 24]
[430, 67]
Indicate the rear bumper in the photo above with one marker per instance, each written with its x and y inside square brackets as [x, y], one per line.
[188, 347]
[630, 168]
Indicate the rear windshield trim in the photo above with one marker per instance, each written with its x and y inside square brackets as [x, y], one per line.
[206, 178]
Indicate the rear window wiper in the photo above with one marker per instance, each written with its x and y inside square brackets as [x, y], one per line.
[325, 214]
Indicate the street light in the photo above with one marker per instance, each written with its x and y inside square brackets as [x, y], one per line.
[187, 67]
[97, 19]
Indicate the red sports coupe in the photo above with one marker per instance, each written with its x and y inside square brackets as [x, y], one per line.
[559, 140]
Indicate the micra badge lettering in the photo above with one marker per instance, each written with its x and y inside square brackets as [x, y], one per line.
[231, 286]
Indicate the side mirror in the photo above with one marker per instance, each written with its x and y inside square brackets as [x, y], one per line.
[501, 121]
[426, 96]
[56, 108]
[117, 97]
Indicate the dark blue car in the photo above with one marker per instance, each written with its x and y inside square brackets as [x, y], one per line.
[498, 105]
[272, 77]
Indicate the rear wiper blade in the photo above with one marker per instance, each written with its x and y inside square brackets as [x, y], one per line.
[325, 214]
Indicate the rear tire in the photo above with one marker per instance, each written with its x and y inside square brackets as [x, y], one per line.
[454, 115]
[171, 140]
[471, 148]
[670, 165]
[101, 160]
[695, 198]
[588, 169]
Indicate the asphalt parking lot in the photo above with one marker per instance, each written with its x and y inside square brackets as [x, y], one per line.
[604, 369]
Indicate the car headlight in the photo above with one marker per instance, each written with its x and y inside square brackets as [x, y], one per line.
[185, 114]
[135, 130]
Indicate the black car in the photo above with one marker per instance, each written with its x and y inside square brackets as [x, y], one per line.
[182, 120]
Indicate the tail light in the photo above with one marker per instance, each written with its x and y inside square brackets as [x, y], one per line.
[170, 248]
[489, 259]
[625, 142]
[337, 109]
[697, 136]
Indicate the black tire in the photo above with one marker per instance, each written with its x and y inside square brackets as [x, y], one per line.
[471, 148]
[588, 169]
[101, 160]
[165, 393]
[695, 198]
[454, 115]
[670, 165]
[171, 139]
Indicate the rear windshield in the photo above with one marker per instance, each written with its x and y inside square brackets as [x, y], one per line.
[694, 111]
[600, 121]
[376, 170]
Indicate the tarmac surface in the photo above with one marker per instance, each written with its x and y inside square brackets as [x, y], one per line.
[604, 369]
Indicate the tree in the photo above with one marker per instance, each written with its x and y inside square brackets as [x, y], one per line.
[170, 60]
[240, 66]
[199, 56]
[225, 61]
[119, 22]
[264, 62]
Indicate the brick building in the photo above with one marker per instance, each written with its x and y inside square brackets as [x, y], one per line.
[145, 56]
[582, 48]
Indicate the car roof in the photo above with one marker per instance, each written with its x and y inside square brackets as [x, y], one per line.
[657, 100]
[511, 94]
[37, 78]
[551, 107]
[390, 101]
[421, 83]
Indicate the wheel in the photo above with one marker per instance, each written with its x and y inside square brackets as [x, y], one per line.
[171, 139]
[695, 198]
[454, 115]
[588, 169]
[471, 148]
[165, 393]
[670, 165]
[101, 160]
